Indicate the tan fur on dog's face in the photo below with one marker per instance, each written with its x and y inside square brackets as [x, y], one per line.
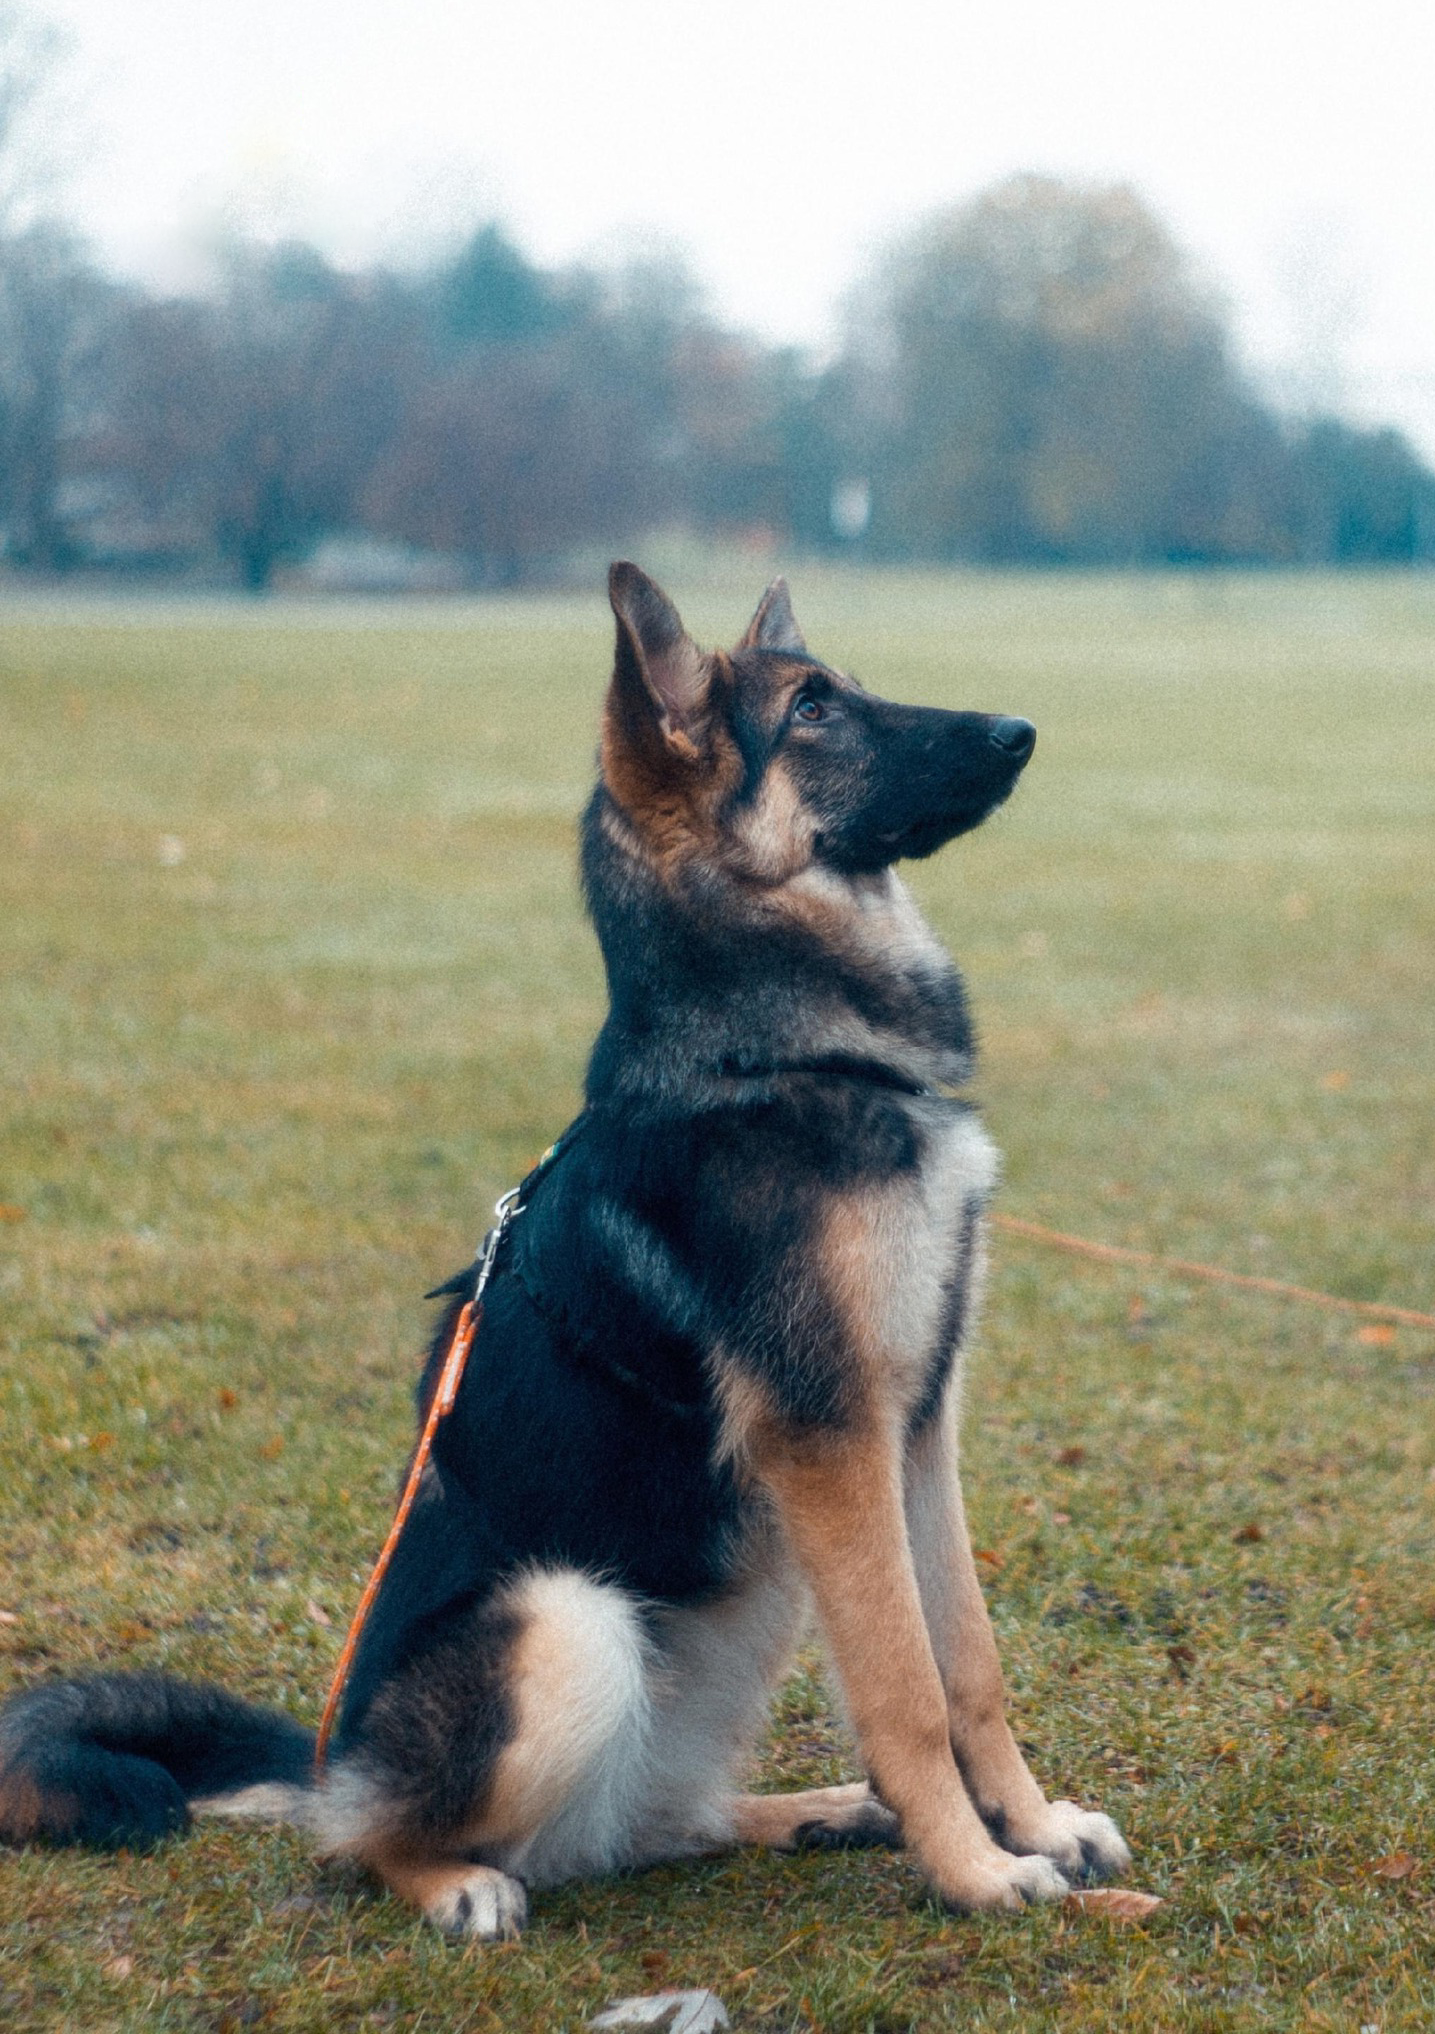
[673, 754]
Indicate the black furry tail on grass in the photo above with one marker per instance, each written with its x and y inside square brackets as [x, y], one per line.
[115, 1761]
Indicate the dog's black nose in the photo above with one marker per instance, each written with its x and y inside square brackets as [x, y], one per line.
[1017, 738]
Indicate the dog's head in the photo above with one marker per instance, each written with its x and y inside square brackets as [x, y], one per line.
[764, 761]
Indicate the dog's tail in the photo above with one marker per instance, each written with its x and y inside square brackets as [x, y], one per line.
[125, 1759]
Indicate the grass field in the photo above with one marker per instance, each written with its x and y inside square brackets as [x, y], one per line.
[293, 980]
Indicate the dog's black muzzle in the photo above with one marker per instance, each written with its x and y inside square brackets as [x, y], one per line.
[930, 776]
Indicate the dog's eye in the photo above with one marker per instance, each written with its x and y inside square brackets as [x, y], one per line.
[806, 708]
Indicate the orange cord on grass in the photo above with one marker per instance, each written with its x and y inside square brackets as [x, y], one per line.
[440, 1405]
[1182, 1267]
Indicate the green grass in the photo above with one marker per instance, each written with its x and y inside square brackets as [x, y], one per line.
[260, 1093]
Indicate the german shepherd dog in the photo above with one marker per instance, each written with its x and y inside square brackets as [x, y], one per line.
[717, 1378]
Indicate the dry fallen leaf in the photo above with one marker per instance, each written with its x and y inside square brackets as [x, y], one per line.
[228, 1399]
[1182, 1658]
[1398, 1866]
[120, 1967]
[1117, 1903]
[1071, 1458]
[988, 1556]
[1247, 1535]
[9, 1617]
[317, 1612]
[10, 1213]
[1378, 1335]
[273, 1448]
[1333, 1082]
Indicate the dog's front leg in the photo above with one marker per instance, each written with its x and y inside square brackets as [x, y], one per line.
[839, 1496]
[1081, 1842]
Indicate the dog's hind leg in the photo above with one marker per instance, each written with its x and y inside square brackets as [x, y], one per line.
[476, 1902]
[511, 1753]
[819, 1818]
[1082, 1843]
[716, 1665]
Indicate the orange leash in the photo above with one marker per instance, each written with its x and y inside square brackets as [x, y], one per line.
[450, 1377]
[1182, 1267]
[440, 1405]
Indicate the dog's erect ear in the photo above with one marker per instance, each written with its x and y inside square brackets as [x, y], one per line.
[774, 626]
[656, 664]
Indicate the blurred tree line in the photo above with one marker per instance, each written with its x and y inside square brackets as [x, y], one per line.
[1033, 376]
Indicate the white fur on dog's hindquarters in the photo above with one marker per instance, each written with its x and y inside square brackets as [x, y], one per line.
[483, 1906]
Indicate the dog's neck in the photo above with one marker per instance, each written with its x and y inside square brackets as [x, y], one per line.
[723, 976]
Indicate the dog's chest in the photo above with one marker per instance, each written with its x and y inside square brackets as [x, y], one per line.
[904, 1254]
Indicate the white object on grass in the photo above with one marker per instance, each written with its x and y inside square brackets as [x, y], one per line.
[668, 2013]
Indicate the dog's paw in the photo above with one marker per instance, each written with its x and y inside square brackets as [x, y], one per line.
[819, 1818]
[1083, 1844]
[484, 1905]
[859, 1822]
[1006, 1887]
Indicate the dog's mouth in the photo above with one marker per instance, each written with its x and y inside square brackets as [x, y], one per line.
[878, 847]
[925, 835]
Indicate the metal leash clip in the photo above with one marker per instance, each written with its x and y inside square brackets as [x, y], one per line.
[506, 1211]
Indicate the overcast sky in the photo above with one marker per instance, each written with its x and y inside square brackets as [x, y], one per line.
[1290, 146]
